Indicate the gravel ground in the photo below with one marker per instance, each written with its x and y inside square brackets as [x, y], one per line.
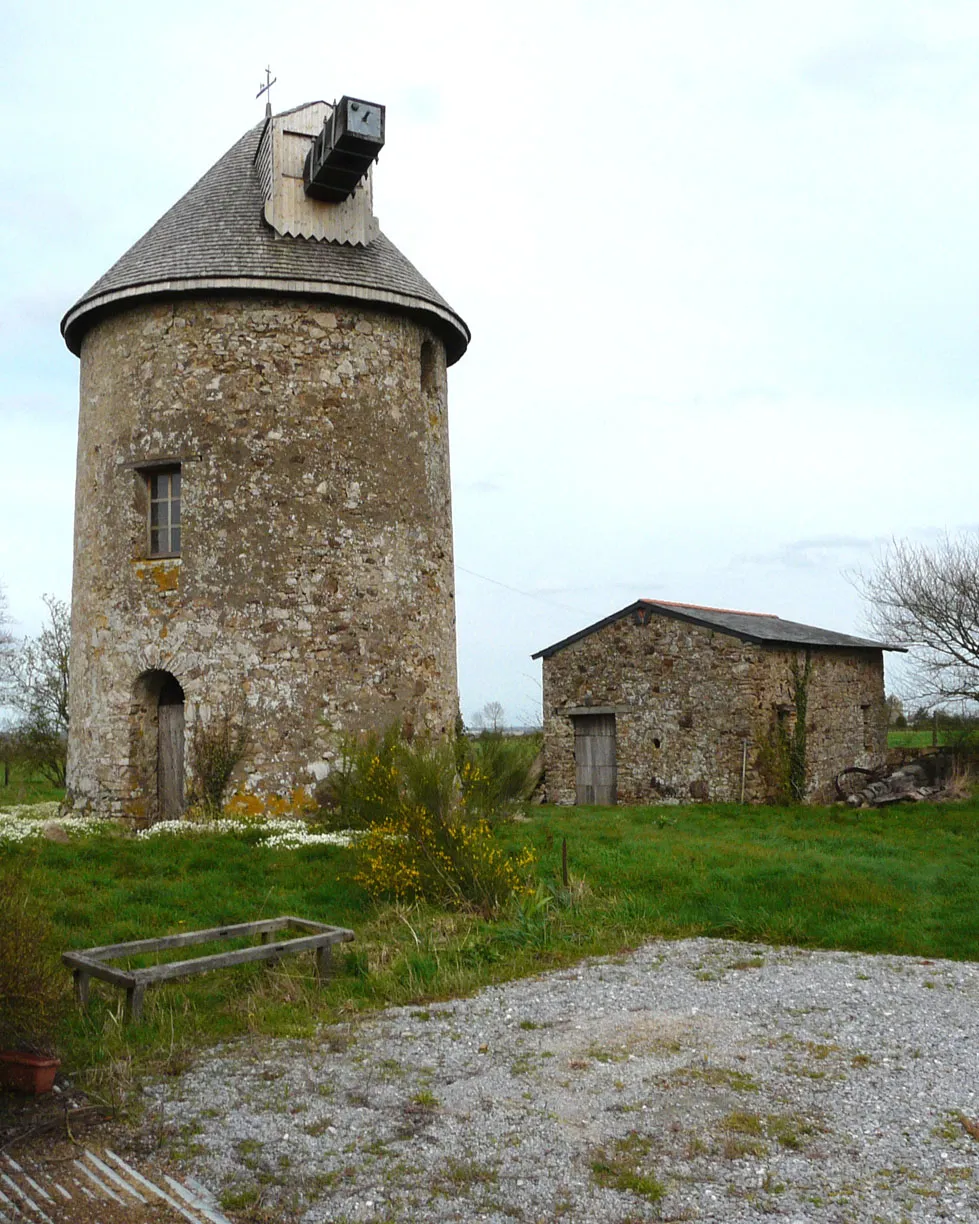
[692, 1080]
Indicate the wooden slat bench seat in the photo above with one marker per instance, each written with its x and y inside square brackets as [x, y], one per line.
[90, 962]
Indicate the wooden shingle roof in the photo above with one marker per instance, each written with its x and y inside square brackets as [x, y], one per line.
[760, 627]
[216, 237]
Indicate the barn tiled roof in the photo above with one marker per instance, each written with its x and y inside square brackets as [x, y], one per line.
[760, 627]
[216, 237]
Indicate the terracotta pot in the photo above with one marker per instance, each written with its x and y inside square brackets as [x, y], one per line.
[27, 1072]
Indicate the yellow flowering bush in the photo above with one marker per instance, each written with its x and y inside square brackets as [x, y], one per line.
[452, 863]
[425, 832]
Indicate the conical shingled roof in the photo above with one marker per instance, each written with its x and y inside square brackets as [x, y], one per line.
[216, 237]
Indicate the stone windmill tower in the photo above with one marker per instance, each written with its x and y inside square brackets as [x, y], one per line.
[262, 517]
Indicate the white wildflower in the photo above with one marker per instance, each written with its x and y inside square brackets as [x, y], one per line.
[28, 820]
[271, 834]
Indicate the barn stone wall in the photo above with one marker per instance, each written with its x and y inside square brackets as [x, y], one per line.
[315, 581]
[686, 698]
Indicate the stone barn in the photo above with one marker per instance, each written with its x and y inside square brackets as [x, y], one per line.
[675, 702]
[263, 529]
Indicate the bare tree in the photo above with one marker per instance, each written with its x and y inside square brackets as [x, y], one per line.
[36, 686]
[6, 637]
[8, 736]
[927, 598]
[8, 751]
[895, 711]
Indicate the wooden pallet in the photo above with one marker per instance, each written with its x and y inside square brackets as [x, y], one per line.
[99, 1188]
[90, 962]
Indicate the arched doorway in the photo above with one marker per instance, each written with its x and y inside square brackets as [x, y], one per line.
[158, 744]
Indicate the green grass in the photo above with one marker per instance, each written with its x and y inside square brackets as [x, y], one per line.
[921, 739]
[24, 786]
[622, 1168]
[902, 880]
[905, 880]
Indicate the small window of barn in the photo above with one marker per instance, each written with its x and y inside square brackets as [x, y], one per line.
[428, 367]
[163, 519]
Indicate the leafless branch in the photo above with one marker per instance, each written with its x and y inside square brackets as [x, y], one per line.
[927, 598]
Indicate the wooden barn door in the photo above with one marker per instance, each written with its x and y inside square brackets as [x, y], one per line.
[594, 757]
[170, 746]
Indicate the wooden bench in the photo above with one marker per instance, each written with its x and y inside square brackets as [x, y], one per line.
[90, 962]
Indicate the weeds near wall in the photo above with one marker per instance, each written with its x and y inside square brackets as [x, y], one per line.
[781, 760]
[427, 835]
[772, 762]
[801, 675]
[216, 748]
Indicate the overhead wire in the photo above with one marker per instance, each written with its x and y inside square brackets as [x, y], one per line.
[517, 591]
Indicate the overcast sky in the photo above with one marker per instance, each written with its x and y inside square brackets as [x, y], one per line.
[720, 262]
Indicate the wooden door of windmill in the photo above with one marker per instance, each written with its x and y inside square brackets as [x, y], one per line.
[594, 759]
[170, 748]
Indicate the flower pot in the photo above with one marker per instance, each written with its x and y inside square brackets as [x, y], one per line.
[27, 1072]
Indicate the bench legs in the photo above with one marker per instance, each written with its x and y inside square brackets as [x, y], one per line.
[134, 994]
[134, 1001]
[82, 980]
[324, 962]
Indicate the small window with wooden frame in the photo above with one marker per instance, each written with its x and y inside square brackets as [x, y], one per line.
[163, 519]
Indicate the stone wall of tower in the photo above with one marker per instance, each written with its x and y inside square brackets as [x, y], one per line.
[315, 581]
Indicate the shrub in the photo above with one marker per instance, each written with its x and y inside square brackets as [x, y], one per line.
[35, 684]
[496, 771]
[43, 751]
[453, 863]
[782, 752]
[364, 789]
[425, 835]
[773, 763]
[216, 747]
[32, 982]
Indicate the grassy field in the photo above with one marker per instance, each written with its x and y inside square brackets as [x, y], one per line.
[948, 737]
[18, 785]
[914, 739]
[898, 880]
[901, 881]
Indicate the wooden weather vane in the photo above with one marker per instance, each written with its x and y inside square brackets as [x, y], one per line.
[270, 80]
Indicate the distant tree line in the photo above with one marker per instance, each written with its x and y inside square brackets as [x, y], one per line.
[34, 689]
